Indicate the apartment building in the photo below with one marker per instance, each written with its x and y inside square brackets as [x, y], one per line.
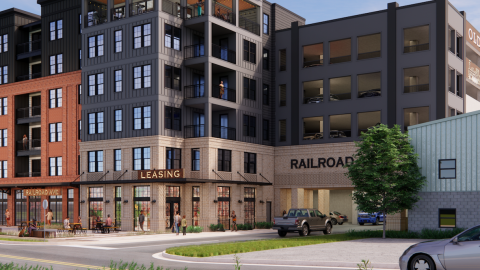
[40, 112]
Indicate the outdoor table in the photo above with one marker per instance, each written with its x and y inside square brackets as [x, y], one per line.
[76, 226]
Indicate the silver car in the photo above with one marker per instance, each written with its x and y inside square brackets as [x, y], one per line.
[458, 253]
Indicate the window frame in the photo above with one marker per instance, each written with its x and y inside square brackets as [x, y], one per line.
[97, 124]
[175, 158]
[3, 44]
[145, 81]
[4, 169]
[195, 160]
[117, 162]
[266, 94]
[96, 161]
[55, 132]
[266, 130]
[249, 126]
[96, 85]
[440, 169]
[118, 122]
[440, 218]
[249, 92]
[57, 66]
[249, 51]
[3, 105]
[57, 32]
[266, 25]
[249, 159]
[58, 170]
[118, 77]
[55, 100]
[97, 49]
[143, 118]
[143, 38]
[4, 137]
[266, 59]
[118, 41]
[170, 80]
[222, 162]
[175, 35]
[143, 158]
[171, 120]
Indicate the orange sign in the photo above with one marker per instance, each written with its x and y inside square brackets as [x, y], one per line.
[42, 192]
[161, 174]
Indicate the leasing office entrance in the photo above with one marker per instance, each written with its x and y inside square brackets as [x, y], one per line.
[172, 205]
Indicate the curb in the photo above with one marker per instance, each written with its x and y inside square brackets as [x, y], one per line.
[277, 262]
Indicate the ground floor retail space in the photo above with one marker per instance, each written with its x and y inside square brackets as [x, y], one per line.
[202, 204]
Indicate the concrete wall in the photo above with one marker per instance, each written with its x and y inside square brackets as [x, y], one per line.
[341, 201]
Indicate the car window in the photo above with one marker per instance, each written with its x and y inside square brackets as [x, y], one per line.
[336, 213]
[470, 235]
[292, 213]
[319, 214]
[331, 214]
[298, 213]
[312, 213]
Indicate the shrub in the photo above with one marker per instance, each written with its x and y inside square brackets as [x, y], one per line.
[248, 226]
[423, 234]
[194, 229]
[213, 227]
[263, 225]
[240, 227]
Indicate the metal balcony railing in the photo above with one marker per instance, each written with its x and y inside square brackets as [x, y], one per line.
[368, 55]
[194, 91]
[141, 7]
[341, 59]
[29, 112]
[27, 145]
[29, 174]
[194, 131]
[249, 25]
[118, 13]
[95, 17]
[31, 46]
[29, 77]
[224, 132]
[193, 11]
[416, 88]
[193, 51]
[416, 48]
[224, 13]
[227, 93]
[223, 53]
[172, 8]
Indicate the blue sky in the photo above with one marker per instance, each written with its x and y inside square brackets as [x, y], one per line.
[314, 10]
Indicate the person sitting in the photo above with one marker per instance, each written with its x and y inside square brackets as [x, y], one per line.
[32, 227]
[98, 224]
[66, 223]
[108, 223]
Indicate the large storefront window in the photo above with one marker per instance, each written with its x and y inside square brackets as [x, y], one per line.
[20, 207]
[3, 208]
[56, 206]
[118, 207]
[35, 208]
[142, 206]
[172, 204]
[70, 206]
[224, 207]
[95, 200]
[195, 205]
[249, 204]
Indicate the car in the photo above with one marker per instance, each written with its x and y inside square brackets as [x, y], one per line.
[338, 218]
[303, 221]
[370, 93]
[459, 252]
[313, 136]
[319, 98]
[373, 218]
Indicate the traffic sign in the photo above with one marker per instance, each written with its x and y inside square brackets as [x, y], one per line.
[45, 204]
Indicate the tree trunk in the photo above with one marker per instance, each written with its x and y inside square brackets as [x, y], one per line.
[384, 224]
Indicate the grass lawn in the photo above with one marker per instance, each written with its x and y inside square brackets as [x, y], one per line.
[209, 250]
[17, 239]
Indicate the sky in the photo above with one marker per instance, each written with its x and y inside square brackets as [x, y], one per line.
[313, 10]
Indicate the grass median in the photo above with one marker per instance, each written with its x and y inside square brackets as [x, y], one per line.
[19, 240]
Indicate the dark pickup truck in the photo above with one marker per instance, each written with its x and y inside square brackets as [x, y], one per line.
[303, 221]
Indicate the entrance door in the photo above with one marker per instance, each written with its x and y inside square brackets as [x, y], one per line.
[36, 139]
[199, 82]
[171, 208]
[36, 102]
[3, 208]
[224, 49]
[199, 123]
[269, 211]
[199, 42]
[224, 126]
[138, 208]
[224, 79]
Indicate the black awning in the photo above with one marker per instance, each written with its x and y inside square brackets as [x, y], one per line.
[173, 181]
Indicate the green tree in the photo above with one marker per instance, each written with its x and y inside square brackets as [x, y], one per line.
[384, 172]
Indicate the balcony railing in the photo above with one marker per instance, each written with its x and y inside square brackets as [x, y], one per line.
[141, 7]
[29, 112]
[368, 55]
[194, 91]
[224, 132]
[193, 51]
[29, 174]
[95, 18]
[194, 131]
[249, 25]
[31, 46]
[313, 63]
[416, 48]
[118, 13]
[416, 88]
[223, 53]
[28, 145]
[224, 93]
[172, 8]
[224, 13]
[341, 59]
[193, 11]
[29, 77]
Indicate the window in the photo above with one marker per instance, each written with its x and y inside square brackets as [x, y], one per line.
[195, 205]
[79, 94]
[174, 157]
[4, 43]
[176, 33]
[447, 168]
[118, 41]
[341, 126]
[55, 166]
[369, 46]
[369, 85]
[172, 192]
[95, 123]
[416, 79]
[79, 23]
[56, 98]
[367, 120]
[3, 105]
[313, 128]
[3, 74]
[341, 51]
[173, 77]
[118, 120]
[196, 159]
[249, 125]
[447, 218]
[312, 92]
[459, 85]
[416, 39]
[249, 204]
[142, 36]
[266, 59]
[283, 59]
[173, 118]
[266, 130]
[142, 117]
[142, 77]
[56, 64]
[118, 81]
[250, 163]
[266, 94]
[224, 160]
[340, 88]
[249, 88]
[249, 51]
[79, 129]
[80, 59]
[56, 132]
[56, 30]
[95, 161]
[283, 130]
[3, 137]
[141, 158]
[415, 116]
[95, 46]
[313, 55]
[117, 166]
[283, 95]
[3, 169]
[95, 84]
[265, 23]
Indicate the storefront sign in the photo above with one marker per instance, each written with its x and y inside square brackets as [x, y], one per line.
[473, 73]
[473, 35]
[42, 192]
[161, 174]
[312, 163]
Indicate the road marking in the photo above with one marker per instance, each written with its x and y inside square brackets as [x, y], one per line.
[212, 241]
[91, 247]
[54, 262]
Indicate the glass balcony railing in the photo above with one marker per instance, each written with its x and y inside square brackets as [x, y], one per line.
[194, 91]
[224, 93]
[416, 88]
[29, 145]
[29, 77]
[29, 174]
[223, 53]
[224, 132]
[193, 51]
[29, 112]
[194, 131]
[172, 8]
[28, 47]
[118, 13]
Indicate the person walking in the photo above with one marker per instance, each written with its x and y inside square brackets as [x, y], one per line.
[178, 220]
[184, 225]
[49, 216]
[141, 220]
[234, 221]
[7, 217]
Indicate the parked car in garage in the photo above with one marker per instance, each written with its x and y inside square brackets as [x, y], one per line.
[373, 218]
[338, 218]
[302, 221]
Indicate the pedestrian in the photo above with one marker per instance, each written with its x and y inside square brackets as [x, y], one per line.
[141, 220]
[178, 220]
[7, 217]
[234, 221]
[199, 7]
[25, 141]
[184, 225]
[49, 216]
[108, 223]
[284, 212]
[222, 89]
[66, 223]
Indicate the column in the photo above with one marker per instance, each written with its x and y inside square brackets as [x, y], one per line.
[208, 8]
[297, 200]
[208, 119]
[64, 203]
[207, 37]
[354, 216]
[324, 201]
[308, 199]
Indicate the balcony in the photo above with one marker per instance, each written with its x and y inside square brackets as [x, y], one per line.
[193, 11]
[95, 17]
[223, 53]
[28, 147]
[172, 8]
[416, 88]
[416, 48]
[227, 93]
[29, 174]
[29, 77]
[29, 115]
[141, 7]
[194, 91]
[249, 25]
[118, 13]
[29, 49]
[225, 14]
[194, 131]
[224, 132]
[194, 51]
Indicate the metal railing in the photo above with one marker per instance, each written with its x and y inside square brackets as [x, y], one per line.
[193, 11]
[29, 174]
[193, 51]
[224, 132]
[249, 25]
[141, 7]
[172, 8]
[341, 59]
[96, 18]
[224, 13]
[194, 131]
[227, 93]
[314, 63]
[29, 77]
[28, 145]
[194, 91]
[223, 53]
[368, 55]
[30, 46]
[416, 48]
[118, 13]
[416, 88]
[29, 112]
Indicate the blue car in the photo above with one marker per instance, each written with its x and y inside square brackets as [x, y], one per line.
[373, 218]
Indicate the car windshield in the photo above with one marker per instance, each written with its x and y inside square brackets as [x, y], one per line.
[298, 213]
[470, 235]
[336, 213]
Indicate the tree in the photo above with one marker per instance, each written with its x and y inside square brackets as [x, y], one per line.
[384, 172]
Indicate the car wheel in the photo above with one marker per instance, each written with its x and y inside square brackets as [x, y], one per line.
[340, 223]
[361, 224]
[305, 230]
[334, 221]
[422, 262]
[328, 229]
[282, 233]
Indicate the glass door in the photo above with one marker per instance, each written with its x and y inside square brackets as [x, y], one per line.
[199, 82]
[199, 123]
[142, 206]
[3, 208]
[35, 208]
[199, 42]
[224, 95]
[224, 49]
[171, 208]
[224, 126]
